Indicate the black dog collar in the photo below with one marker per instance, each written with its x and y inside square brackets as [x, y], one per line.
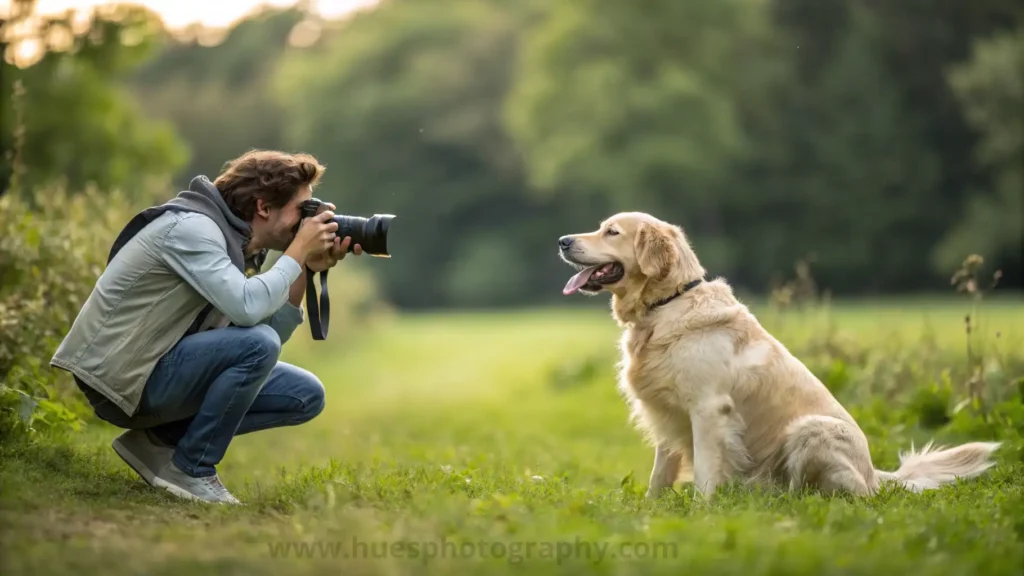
[689, 286]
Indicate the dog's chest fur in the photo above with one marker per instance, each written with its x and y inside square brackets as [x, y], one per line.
[647, 373]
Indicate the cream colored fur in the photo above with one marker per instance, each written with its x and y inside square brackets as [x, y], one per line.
[717, 396]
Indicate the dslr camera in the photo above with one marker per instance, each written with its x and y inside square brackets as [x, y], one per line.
[372, 236]
[370, 233]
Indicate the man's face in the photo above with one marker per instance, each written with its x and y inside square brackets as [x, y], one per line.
[274, 226]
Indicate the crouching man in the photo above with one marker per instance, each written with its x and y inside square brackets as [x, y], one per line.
[179, 341]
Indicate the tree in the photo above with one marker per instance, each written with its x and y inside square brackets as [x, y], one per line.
[403, 105]
[642, 107]
[990, 87]
[921, 41]
[76, 124]
[850, 176]
[219, 95]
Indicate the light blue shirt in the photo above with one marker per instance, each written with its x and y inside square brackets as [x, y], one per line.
[194, 248]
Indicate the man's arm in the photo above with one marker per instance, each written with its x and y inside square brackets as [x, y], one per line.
[290, 316]
[196, 250]
[298, 290]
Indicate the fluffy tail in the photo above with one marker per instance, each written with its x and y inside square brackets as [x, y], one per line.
[930, 467]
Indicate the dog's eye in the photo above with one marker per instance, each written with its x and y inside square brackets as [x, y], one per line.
[611, 232]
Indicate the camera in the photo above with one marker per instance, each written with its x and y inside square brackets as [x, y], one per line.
[370, 233]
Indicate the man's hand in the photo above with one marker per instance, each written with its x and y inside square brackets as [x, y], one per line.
[337, 252]
[314, 238]
[330, 258]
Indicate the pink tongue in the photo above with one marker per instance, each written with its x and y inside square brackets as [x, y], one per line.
[577, 281]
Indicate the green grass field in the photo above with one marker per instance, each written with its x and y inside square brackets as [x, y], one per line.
[497, 443]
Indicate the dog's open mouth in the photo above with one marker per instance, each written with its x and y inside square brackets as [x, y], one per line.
[592, 278]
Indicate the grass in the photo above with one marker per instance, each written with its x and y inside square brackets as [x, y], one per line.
[496, 443]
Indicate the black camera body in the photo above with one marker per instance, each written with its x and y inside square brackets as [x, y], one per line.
[371, 234]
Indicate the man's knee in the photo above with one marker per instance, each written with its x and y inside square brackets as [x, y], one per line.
[264, 343]
[303, 387]
[314, 397]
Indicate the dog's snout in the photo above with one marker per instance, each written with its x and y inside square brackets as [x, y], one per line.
[564, 242]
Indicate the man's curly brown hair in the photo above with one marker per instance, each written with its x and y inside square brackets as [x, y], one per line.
[270, 175]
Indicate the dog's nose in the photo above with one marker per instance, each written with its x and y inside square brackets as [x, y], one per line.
[564, 242]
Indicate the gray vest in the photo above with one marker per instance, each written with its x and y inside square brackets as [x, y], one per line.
[139, 308]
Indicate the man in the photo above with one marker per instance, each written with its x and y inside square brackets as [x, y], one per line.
[179, 340]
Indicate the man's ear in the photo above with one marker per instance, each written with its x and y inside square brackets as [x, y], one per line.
[655, 251]
[262, 209]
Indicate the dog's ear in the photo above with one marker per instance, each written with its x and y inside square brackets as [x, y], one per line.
[655, 251]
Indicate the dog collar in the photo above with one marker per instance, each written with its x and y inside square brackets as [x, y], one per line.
[689, 286]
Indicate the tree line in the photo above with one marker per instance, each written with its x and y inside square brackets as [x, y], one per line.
[878, 140]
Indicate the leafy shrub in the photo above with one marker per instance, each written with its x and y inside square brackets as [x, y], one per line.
[21, 415]
[53, 246]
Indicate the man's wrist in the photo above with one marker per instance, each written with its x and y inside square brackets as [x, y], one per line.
[298, 289]
[296, 254]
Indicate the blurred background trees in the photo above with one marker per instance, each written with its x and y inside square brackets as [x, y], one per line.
[881, 140]
[70, 111]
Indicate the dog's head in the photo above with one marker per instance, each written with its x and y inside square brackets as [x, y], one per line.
[633, 255]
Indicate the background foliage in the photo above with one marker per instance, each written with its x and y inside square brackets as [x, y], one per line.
[878, 141]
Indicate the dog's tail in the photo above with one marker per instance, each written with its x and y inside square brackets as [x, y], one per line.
[929, 468]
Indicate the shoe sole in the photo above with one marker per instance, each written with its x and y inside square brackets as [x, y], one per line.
[134, 463]
[179, 492]
[182, 493]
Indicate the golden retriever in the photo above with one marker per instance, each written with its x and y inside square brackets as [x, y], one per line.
[714, 393]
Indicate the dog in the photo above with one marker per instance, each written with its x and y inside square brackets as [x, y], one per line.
[716, 395]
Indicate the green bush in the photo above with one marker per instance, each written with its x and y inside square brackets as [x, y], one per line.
[53, 246]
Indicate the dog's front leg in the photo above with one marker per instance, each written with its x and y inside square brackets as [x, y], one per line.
[665, 470]
[718, 450]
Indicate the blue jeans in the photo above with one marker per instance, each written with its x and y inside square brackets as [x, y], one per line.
[213, 386]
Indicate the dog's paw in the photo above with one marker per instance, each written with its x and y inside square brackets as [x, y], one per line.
[653, 493]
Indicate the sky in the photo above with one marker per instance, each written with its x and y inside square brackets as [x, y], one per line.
[214, 13]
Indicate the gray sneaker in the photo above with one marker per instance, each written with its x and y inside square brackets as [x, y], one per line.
[207, 489]
[142, 453]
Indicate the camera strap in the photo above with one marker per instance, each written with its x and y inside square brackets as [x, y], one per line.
[319, 316]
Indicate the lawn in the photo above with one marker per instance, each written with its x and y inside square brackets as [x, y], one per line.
[496, 443]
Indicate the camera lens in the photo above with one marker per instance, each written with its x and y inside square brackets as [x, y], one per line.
[370, 233]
